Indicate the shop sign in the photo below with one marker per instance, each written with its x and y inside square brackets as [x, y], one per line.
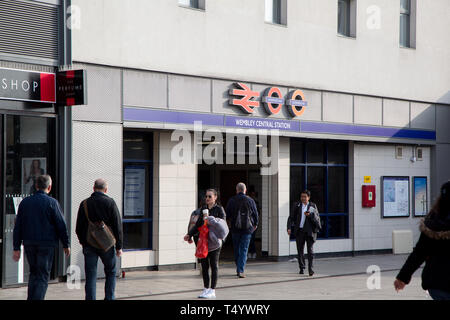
[25, 85]
[272, 100]
[71, 87]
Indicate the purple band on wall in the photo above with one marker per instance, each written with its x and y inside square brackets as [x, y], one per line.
[319, 127]
[150, 115]
[178, 117]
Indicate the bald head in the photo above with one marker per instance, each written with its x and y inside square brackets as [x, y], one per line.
[240, 187]
[101, 185]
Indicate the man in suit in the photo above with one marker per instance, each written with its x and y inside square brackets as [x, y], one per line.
[304, 222]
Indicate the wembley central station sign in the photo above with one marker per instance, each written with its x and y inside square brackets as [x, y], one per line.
[272, 100]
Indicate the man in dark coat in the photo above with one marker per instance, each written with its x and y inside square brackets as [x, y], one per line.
[433, 248]
[100, 208]
[240, 208]
[304, 222]
[40, 226]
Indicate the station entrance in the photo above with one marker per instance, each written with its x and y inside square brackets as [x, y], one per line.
[224, 179]
[245, 166]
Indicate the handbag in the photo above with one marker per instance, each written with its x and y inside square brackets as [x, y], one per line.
[202, 245]
[99, 235]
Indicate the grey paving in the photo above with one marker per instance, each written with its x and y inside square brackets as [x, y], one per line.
[342, 278]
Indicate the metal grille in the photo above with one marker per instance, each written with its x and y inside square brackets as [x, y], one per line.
[97, 152]
[29, 29]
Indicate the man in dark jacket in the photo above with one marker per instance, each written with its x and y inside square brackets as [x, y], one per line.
[238, 207]
[304, 222]
[100, 208]
[433, 248]
[40, 225]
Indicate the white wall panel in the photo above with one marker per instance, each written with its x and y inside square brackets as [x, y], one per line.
[97, 153]
[231, 40]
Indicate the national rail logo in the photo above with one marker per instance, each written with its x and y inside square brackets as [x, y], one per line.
[244, 97]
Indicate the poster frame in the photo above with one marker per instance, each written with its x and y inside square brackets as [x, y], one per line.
[395, 178]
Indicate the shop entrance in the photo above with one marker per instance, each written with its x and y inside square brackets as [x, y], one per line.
[29, 150]
[224, 179]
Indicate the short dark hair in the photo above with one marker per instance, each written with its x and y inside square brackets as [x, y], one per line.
[43, 182]
[307, 192]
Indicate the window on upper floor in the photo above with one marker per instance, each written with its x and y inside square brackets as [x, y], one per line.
[276, 11]
[347, 18]
[408, 23]
[196, 4]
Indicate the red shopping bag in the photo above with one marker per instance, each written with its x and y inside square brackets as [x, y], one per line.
[202, 244]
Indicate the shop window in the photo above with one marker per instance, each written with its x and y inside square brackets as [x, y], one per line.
[297, 151]
[30, 151]
[336, 189]
[315, 152]
[316, 184]
[337, 226]
[138, 192]
[337, 153]
[322, 168]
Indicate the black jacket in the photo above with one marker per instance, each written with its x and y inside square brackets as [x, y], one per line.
[312, 222]
[100, 208]
[433, 248]
[216, 211]
[40, 222]
[232, 209]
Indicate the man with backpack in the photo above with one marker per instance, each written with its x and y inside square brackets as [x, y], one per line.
[244, 220]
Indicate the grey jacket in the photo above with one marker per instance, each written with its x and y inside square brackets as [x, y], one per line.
[218, 231]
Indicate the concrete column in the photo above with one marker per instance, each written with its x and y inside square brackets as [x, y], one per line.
[177, 199]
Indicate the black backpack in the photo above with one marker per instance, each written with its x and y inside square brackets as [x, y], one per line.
[243, 217]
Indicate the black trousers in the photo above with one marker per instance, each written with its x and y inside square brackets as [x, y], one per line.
[212, 260]
[302, 238]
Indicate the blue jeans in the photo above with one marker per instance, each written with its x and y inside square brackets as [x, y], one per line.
[240, 245]
[40, 260]
[252, 247]
[108, 258]
[437, 294]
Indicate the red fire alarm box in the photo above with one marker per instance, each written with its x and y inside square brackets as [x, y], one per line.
[368, 196]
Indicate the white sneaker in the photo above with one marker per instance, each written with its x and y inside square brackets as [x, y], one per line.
[204, 293]
[210, 294]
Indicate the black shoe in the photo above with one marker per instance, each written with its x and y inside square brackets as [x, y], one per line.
[301, 271]
[311, 273]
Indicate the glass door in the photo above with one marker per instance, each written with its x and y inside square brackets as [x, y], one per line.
[28, 151]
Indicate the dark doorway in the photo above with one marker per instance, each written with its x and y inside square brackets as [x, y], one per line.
[224, 179]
